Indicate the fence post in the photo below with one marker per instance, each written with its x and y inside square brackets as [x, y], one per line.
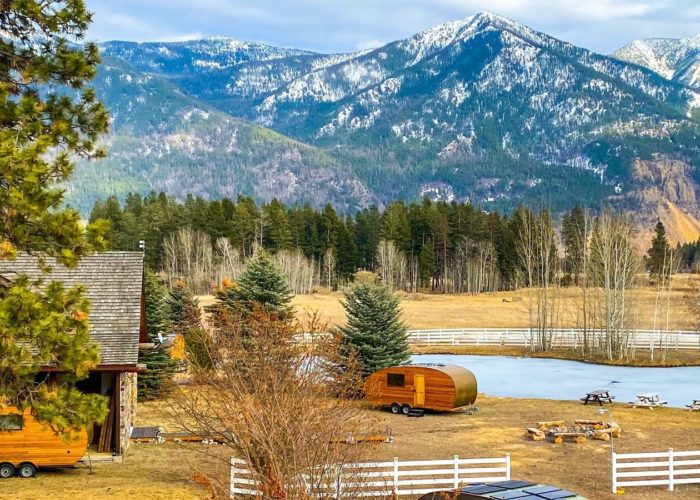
[456, 472]
[233, 477]
[507, 466]
[670, 469]
[396, 476]
[614, 472]
[338, 482]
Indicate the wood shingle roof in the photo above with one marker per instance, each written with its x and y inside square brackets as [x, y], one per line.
[114, 284]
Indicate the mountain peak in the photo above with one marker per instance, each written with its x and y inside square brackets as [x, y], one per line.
[486, 16]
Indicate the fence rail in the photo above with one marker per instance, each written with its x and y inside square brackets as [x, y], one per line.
[563, 338]
[667, 468]
[384, 479]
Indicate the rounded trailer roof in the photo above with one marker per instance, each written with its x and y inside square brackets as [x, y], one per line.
[457, 373]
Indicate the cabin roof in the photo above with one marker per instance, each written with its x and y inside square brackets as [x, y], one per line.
[114, 285]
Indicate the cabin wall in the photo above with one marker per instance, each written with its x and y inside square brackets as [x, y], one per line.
[127, 409]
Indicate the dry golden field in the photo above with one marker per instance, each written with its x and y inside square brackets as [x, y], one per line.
[166, 471]
[496, 310]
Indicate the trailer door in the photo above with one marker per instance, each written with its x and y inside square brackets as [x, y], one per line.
[419, 390]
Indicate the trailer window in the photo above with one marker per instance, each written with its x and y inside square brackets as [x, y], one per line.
[11, 422]
[395, 380]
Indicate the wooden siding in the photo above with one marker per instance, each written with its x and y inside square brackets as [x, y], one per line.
[38, 444]
[445, 388]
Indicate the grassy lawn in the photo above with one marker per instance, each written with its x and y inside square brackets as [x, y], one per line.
[166, 471]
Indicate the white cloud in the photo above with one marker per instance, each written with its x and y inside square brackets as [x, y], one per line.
[341, 25]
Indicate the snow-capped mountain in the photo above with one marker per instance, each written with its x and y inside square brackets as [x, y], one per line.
[481, 108]
[675, 59]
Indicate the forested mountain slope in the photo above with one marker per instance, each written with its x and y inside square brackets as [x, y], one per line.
[482, 109]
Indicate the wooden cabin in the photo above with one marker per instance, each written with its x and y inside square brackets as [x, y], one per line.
[26, 444]
[429, 386]
[114, 286]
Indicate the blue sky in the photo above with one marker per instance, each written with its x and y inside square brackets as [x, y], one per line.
[346, 25]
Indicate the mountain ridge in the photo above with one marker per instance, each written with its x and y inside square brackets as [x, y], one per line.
[676, 59]
[481, 109]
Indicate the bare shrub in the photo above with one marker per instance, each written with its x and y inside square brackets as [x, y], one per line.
[276, 402]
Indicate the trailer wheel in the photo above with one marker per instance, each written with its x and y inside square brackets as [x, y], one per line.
[26, 470]
[7, 470]
[406, 409]
[395, 408]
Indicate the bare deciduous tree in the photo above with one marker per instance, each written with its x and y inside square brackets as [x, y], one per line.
[277, 403]
[391, 265]
[614, 269]
[539, 262]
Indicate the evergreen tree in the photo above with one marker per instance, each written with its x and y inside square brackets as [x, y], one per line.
[573, 231]
[374, 331]
[41, 133]
[184, 308]
[160, 367]
[185, 317]
[277, 235]
[426, 263]
[262, 284]
[659, 254]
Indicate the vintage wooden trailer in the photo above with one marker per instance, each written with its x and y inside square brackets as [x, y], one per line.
[26, 444]
[427, 386]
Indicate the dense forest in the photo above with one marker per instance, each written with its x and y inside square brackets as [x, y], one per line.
[437, 246]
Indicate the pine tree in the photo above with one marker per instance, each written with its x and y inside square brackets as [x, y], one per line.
[185, 317]
[262, 284]
[374, 331]
[427, 264]
[658, 255]
[184, 308]
[573, 231]
[160, 367]
[278, 235]
[41, 133]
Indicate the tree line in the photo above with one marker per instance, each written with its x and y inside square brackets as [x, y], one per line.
[439, 246]
[430, 246]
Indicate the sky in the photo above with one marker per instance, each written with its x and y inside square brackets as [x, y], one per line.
[348, 25]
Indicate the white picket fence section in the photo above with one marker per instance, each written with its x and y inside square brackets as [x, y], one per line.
[565, 338]
[384, 479]
[667, 468]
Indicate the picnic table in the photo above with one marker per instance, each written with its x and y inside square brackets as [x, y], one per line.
[649, 400]
[600, 396]
[694, 406]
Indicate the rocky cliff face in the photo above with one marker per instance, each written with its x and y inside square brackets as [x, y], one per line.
[666, 192]
[666, 179]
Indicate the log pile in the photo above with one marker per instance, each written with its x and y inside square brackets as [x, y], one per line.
[107, 429]
[558, 431]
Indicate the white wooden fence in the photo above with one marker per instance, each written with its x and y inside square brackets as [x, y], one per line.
[667, 468]
[382, 479]
[565, 338]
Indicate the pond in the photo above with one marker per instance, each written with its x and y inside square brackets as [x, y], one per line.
[515, 377]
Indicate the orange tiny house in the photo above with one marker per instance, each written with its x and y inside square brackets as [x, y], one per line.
[427, 387]
[26, 444]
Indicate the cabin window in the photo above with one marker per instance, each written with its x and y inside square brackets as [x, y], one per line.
[395, 380]
[11, 422]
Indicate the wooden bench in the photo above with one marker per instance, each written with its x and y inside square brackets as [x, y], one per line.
[694, 406]
[650, 401]
[535, 434]
[599, 397]
[579, 437]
